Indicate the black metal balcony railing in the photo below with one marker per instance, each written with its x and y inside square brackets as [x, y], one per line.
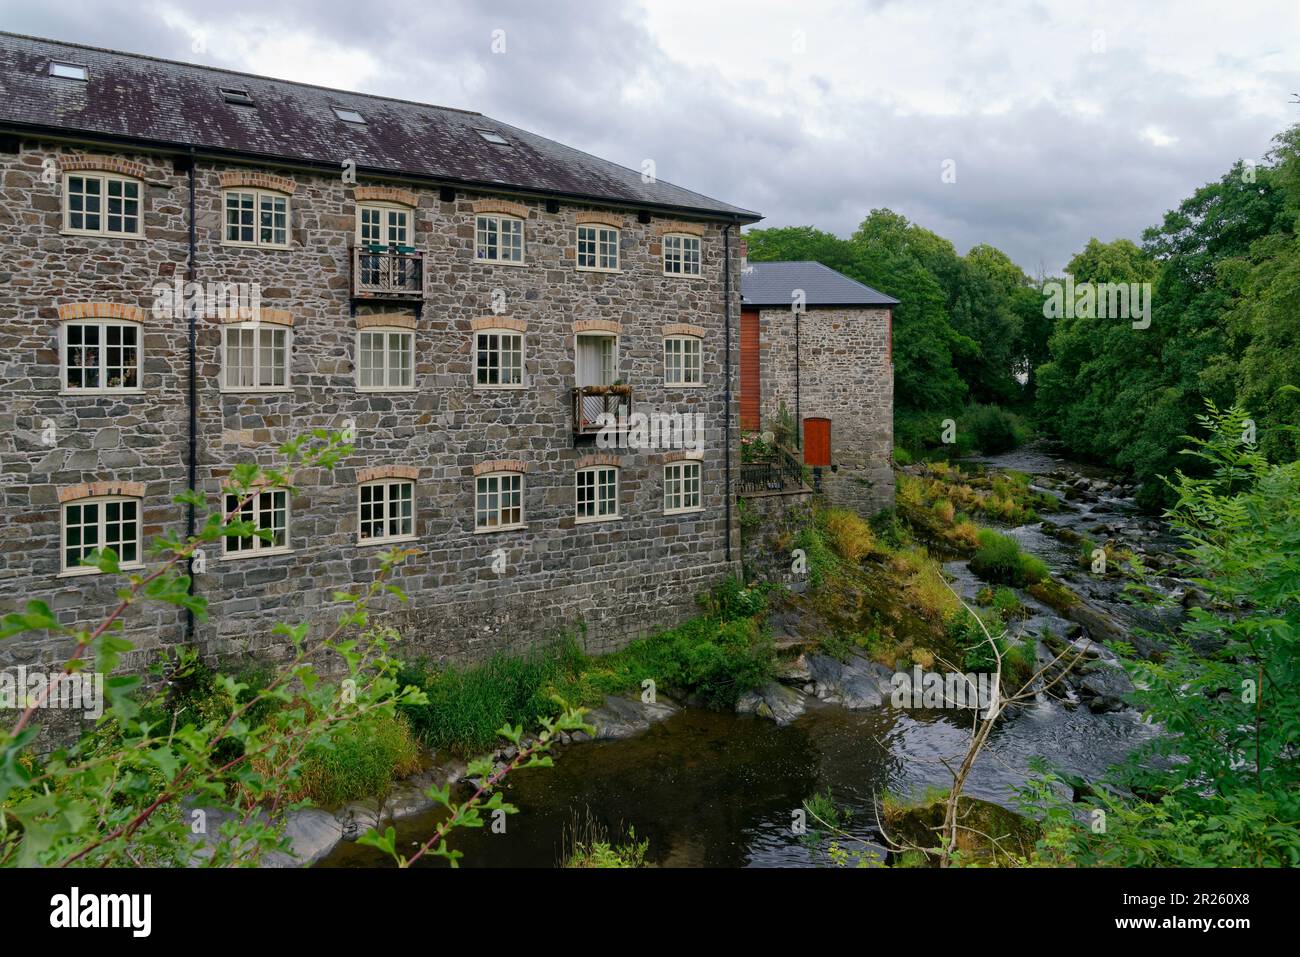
[781, 473]
[393, 273]
[591, 402]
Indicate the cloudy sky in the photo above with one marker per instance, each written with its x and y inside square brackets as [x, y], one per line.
[1058, 120]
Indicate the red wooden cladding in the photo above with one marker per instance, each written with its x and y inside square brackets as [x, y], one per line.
[749, 389]
[817, 442]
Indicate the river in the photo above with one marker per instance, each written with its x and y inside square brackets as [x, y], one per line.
[716, 789]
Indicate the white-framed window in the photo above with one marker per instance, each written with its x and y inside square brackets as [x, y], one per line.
[682, 360]
[682, 487]
[383, 224]
[385, 359]
[596, 493]
[101, 355]
[498, 359]
[498, 239]
[498, 501]
[102, 204]
[268, 511]
[101, 522]
[256, 217]
[385, 511]
[681, 255]
[255, 357]
[597, 248]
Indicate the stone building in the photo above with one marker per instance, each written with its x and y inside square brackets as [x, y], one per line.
[465, 296]
[820, 344]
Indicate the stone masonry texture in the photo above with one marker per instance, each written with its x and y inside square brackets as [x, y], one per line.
[846, 376]
[609, 581]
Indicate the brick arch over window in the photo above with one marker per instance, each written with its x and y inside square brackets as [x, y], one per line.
[389, 320]
[690, 229]
[500, 465]
[104, 164]
[498, 322]
[255, 180]
[71, 493]
[602, 459]
[378, 472]
[684, 329]
[597, 326]
[501, 207]
[275, 317]
[385, 194]
[682, 455]
[594, 218]
[100, 310]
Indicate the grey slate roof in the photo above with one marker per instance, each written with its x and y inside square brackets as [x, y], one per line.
[143, 98]
[773, 283]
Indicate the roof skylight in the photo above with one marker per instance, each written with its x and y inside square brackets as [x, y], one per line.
[69, 71]
[493, 137]
[236, 96]
[348, 116]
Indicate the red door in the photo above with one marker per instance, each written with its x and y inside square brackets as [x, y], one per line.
[817, 442]
[749, 396]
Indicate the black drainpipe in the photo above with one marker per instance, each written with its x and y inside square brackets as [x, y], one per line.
[192, 460]
[726, 422]
[798, 414]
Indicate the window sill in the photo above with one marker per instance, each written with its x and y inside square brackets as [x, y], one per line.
[277, 390]
[500, 388]
[89, 570]
[226, 243]
[254, 553]
[397, 540]
[79, 234]
[683, 275]
[101, 392]
[371, 390]
[597, 269]
[501, 528]
[684, 511]
[597, 519]
[499, 262]
[683, 385]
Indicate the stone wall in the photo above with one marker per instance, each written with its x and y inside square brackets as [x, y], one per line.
[616, 579]
[847, 377]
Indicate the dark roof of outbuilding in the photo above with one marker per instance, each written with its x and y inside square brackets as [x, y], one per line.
[774, 283]
[144, 99]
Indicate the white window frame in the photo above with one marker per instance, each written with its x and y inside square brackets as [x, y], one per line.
[226, 365]
[254, 545]
[500, 352]
[103, 325]
[688, 344]
[490, 224]
[684, 243]
[491, 486]
[104, 179]
[387, 369]
[389, 511]
[600, 243]
[258, 196]
[679, 475]
[592, 478]
[101, 525]
[386, 225]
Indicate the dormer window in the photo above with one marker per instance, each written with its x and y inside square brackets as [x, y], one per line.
[349, 116]
[69, 71]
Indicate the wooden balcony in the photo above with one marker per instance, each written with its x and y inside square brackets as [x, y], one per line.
[590, 402]
[394, 273]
